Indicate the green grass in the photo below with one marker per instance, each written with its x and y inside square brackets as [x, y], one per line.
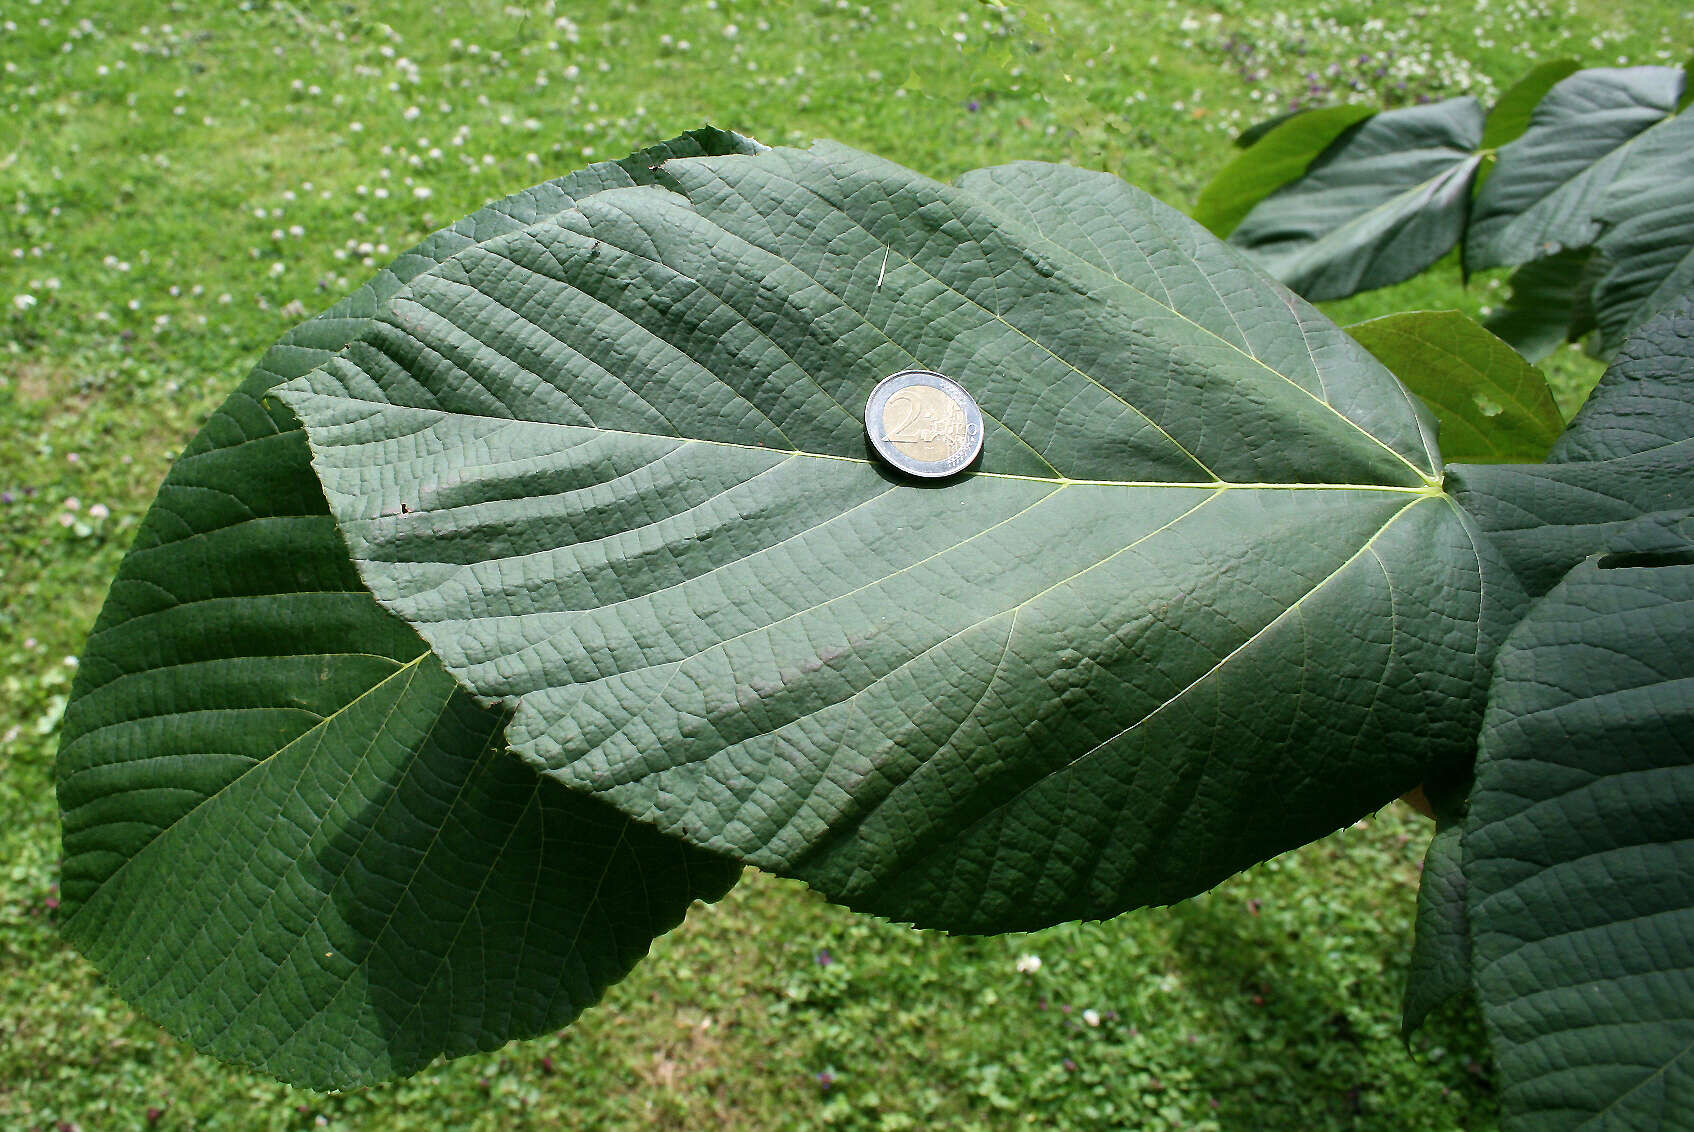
[180, 184]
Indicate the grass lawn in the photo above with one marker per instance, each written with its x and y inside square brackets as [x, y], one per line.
[182, 182]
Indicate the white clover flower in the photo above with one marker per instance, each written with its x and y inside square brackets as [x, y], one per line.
[23, 302]
[1028, 964]
[1092, 1017]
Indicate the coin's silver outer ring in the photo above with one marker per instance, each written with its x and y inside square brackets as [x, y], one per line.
[927, 469]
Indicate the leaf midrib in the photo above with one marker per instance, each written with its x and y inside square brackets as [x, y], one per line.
[303, 392]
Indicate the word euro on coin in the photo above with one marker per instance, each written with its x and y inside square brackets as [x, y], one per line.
[923, 424]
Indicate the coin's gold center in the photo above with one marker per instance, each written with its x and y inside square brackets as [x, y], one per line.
[924, 423]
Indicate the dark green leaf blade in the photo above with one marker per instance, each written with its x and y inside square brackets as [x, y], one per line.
[1440, 969]
[1550, 302]
[1626, 464]
[1493, 406]
[637, 506]
[227, 713]
[1576, 851]
[1543, 193]
[1649, 240]
[1645, 401]
[1270, 162]
[388, 887]
[1385, 201]
[1511, 114]
[1545, 518]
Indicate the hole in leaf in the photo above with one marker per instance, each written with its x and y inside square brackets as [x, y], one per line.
[1488, 406]
[1638, 558]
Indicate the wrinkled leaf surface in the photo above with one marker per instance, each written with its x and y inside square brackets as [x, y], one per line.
[1440, 968]
[1201, 602]
[288, 836]
[1576, 855]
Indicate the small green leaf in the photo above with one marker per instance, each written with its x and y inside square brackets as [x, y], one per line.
[1382, 203]
[1511, 115]
[1252, 134]
[1493, 406]
[1576, 855]
[1276, 156]
[1543, 193]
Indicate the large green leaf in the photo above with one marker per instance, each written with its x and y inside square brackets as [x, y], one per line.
[1382, 203]
[1543, 194]
[1624, 468]
[1270, 162]
[287, 836]
[1493, 406]
[1649, 239]
[1202, 602]
[1576, 855]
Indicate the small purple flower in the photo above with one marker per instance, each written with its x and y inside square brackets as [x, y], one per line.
[5, 497]
[824, 957]
[974, 106]
[826, 1079]
[1070, 1066]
